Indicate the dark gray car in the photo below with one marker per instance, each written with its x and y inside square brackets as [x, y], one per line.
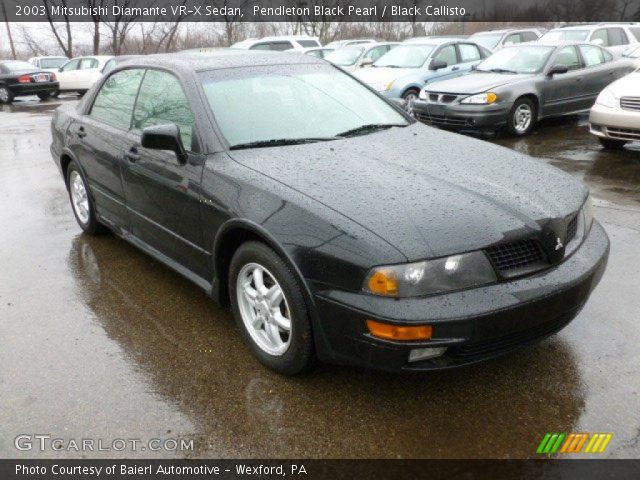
[520, 85]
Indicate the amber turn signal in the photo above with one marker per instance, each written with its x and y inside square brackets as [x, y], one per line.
[384, 282]
[395, 332]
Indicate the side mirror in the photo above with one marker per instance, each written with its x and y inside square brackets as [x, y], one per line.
[366, 62]
[164, 137]
[438, 64]
[557, 70]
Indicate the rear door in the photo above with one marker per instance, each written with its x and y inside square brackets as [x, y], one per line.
[99, 139]
[598, 71]
[163, 195]
[564, 93]
[67, 75]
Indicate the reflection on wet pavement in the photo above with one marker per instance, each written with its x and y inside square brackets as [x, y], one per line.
[98, 340]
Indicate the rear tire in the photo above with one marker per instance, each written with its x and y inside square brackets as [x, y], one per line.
[43, 95]
[610, 144]
[522, 117]
[81, 201]
[269, 309]
[55, 94]
[6, 96]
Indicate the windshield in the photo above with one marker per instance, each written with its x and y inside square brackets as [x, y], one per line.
[261, 104]
[565, 36]
[522, 59]
[18, 67]
[405, 56]
[489, 41]
[345, 56]
[52, 62]
[635, 53]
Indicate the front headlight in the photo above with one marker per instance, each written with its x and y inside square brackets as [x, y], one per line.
[606, 99]
[456, 272]
[481, 99]
[423, 94]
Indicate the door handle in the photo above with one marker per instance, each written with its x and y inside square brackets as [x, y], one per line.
[132, 154]
[81, 133]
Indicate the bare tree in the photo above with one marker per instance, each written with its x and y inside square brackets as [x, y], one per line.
[65, 39]
[8, 25]
[120, 25]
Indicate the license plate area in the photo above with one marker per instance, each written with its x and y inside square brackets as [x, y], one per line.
[41, 78]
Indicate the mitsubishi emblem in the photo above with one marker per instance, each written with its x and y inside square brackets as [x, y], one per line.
[559, 244]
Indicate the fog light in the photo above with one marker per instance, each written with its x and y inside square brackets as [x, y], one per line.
[418, 354]
[396, 332]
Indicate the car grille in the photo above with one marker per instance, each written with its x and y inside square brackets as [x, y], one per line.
[630, 103]
[442, 97]
[441, 120]
[572, 229]
[516, 258]
[623, 133]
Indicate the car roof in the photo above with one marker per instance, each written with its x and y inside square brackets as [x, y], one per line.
[223, 58]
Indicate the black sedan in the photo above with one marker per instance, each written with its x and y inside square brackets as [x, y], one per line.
[19, 79]
[334, 225]
[520, 85]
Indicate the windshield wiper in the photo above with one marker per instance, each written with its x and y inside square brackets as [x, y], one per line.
[278, 142]
[500, 70]
[373, 127]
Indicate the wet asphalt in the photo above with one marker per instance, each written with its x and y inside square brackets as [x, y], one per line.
[97, 340]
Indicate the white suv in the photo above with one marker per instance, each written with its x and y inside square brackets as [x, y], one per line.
[279, 44]
[616, 37]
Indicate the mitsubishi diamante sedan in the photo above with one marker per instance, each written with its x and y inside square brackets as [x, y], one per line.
[335, 226]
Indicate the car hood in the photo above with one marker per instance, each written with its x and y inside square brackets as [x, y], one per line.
[382, 75]
[428, 192]
[626, 86]
[476, 82]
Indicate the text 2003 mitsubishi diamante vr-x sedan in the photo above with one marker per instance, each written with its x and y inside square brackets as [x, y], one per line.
[335, 226]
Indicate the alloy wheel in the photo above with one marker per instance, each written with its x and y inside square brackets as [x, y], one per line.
[264, 309]
[4, 95]
[410, 99]
[79, 198]
[522, 118]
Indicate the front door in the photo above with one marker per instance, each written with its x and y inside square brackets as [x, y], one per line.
[564, 92]
[162, 193]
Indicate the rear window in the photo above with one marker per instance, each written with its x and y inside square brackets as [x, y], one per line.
[309, 43]
[52, 62]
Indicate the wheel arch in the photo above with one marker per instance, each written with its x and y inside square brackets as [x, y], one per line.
[534, 98]
[230, 236]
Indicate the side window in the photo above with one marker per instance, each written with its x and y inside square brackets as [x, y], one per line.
[447, 54]
[529, 36]
[592, 55]
[617, 37]
[376, 53]
[115, 100]
[568, 56]
[88, 63]
[260, 46]
[72, 65]
[276, 46]
[162, 100]
[600, 37]
[636, 32]
[468, 52]
[512, 39]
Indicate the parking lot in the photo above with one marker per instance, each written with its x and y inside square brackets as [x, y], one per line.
[98, 340]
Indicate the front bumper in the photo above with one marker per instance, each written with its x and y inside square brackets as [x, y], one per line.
[458, 116]
[474, 325]
[24, 89]
[614, 123]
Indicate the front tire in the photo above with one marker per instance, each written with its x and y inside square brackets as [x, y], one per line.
[522, 117]
[81, 202]
[43, 95]
[409, 97]
[269, 309]
[6, 96]
[610, 144]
